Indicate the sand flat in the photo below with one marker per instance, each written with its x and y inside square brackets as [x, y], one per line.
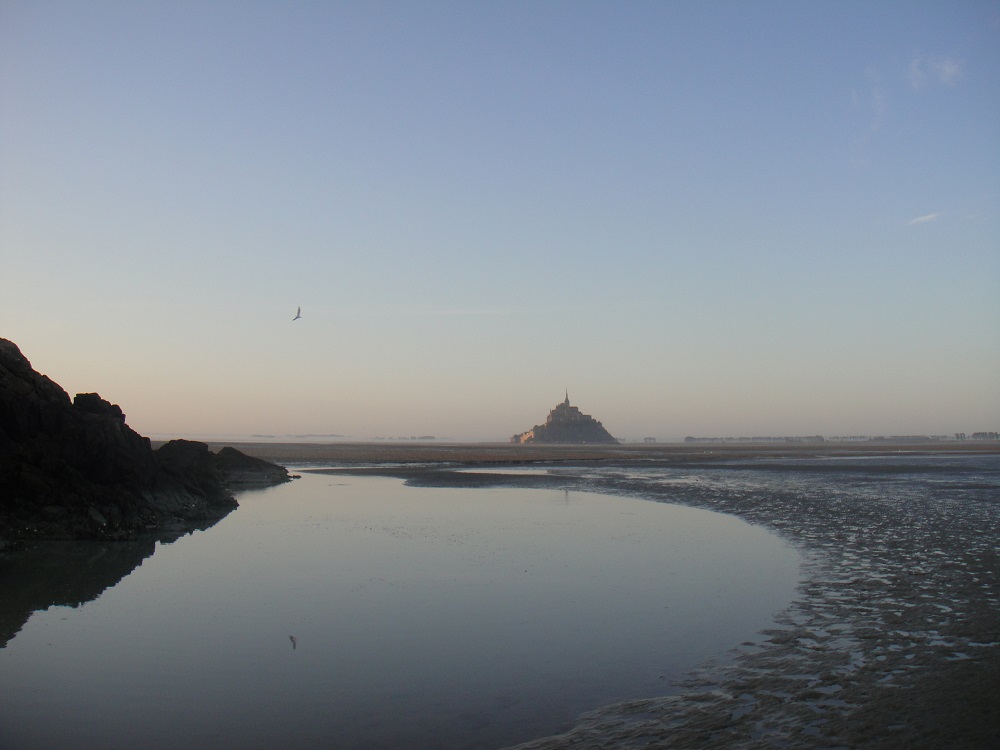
[382, 452]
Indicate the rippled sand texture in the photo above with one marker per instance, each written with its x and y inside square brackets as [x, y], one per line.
[895, 641]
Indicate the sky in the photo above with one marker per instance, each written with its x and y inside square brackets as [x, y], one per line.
[700, 218]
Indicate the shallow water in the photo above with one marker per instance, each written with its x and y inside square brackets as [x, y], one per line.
[356, 612]
[893, 639]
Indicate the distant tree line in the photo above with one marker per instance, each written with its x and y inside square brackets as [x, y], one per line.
[845, 439]
[757, 439]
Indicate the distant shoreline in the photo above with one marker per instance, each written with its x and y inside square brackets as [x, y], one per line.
[507, 453]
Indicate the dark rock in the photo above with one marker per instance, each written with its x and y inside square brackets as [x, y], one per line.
[91, 403]
[53, 512]
[240, 469]
[95, 516]
[77, 470]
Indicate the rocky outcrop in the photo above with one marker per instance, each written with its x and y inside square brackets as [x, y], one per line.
[242, 470]
[75, 469]
[566, 424]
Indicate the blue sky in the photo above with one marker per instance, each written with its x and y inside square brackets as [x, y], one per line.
[721, 218]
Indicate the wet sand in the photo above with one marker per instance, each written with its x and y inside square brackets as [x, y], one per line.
[894, 640]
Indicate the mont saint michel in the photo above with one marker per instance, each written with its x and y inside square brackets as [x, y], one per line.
[566, 424]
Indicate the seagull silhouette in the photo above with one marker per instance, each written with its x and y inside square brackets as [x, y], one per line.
[298, 314]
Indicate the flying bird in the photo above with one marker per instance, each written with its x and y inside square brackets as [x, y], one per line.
[298, 314]
[294, 640]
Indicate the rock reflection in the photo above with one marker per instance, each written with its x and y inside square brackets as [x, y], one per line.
[70, 573]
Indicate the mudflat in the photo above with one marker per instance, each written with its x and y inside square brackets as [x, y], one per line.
[894, 639]
[514, 453]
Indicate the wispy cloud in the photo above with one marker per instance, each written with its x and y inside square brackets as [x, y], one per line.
[925, 72]
[872, 105]
[925, 218]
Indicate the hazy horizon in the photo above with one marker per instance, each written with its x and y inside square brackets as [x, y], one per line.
[707, 219]
[484, 436]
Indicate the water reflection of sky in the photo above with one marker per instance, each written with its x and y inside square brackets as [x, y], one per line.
[422, 618]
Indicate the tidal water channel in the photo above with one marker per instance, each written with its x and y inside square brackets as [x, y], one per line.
[357, 612]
